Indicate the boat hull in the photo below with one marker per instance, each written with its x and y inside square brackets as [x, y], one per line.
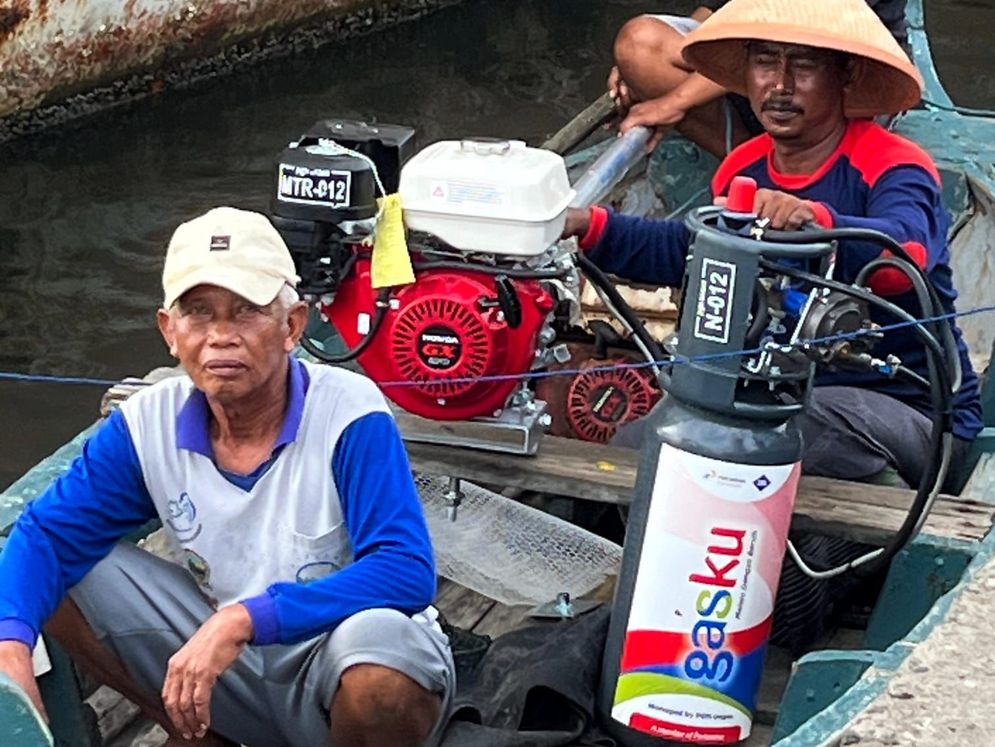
[51, 49]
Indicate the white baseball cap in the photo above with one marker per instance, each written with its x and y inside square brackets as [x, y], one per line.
[234, 249]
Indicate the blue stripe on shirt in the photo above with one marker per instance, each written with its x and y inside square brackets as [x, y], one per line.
[69, 528]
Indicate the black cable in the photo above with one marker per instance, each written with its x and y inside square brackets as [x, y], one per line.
[941, 397]
[922, 286]
[812, 234]
[938, 442]
[596, 276]
[817, 233]
[383, 304]
[511, 272]
[901, 372]
[761, 302]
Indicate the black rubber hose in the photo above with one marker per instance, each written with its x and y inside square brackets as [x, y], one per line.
[817, 233]
[929, 306]
[901, 372]
[814, 234]
[596, 276]
[383, 299]
[761, 302]
[922, 286]
[932, 344]
[940, 394]
[511, 272]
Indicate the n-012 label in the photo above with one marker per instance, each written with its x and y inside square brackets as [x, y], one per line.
[713, 310]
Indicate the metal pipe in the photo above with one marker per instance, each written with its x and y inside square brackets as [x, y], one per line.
[611, 166]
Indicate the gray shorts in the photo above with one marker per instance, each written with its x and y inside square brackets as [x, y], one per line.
[145, 608]
[683, 25]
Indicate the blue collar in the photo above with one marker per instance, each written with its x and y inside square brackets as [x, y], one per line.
[193, 423]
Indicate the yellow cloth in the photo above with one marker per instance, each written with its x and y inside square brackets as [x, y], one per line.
[391, 262]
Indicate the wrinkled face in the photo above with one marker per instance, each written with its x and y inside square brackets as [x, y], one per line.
[796, 91]
[230, 347]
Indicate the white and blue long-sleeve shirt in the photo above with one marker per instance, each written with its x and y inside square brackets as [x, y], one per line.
[328, 526]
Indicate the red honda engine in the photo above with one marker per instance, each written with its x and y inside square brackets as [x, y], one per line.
[481, 220]
[442, 338]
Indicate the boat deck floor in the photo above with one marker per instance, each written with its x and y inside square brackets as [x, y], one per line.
[122, 725]
[593, 472]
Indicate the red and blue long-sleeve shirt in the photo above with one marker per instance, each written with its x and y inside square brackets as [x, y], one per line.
[875, 180]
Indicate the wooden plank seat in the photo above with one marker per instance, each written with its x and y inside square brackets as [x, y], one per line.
[595, 472]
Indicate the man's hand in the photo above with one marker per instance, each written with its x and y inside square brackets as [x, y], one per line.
[619, 91]
[15, 662]
[193, 670]
[577, 224]
[663, 114]
[785, 212]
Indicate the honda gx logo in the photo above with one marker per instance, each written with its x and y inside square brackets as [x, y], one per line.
[439, 347]
[714, 308]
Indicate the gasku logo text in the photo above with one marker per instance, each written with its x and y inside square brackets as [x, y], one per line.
[709, 658]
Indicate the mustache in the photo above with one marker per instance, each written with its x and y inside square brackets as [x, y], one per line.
[777, 104]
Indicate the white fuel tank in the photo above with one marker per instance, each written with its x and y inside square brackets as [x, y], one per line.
[495, 196]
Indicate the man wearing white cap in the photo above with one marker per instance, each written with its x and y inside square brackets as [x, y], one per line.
[814, 74]
[299, 611]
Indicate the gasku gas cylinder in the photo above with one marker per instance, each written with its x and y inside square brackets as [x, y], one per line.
[712, 506]
[703, 557]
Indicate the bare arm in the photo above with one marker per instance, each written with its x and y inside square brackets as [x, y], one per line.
[15, 662]
[669, 110]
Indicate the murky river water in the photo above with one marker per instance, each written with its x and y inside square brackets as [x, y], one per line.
[85, 213]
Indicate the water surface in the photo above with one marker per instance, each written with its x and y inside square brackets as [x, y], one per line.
[85, 212]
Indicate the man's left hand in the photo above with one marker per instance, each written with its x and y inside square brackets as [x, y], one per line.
[193, 670]
[785, 212]
[662, 114]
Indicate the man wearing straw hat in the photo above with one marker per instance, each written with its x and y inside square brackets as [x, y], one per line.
[653, 86]
[298, 612]
[814, 73]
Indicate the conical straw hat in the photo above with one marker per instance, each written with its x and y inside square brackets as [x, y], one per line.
[890, 82]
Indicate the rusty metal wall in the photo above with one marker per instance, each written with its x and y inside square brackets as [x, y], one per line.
[50, 49]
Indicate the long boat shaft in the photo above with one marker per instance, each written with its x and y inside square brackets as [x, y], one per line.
[611, 166]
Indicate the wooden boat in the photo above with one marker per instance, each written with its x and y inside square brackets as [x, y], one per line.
[808, 701]
[60, 60]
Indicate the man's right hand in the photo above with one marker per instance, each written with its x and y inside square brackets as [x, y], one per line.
[15, 662]
[577, 224]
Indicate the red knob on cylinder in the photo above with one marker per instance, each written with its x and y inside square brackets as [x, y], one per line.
[742, 192]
